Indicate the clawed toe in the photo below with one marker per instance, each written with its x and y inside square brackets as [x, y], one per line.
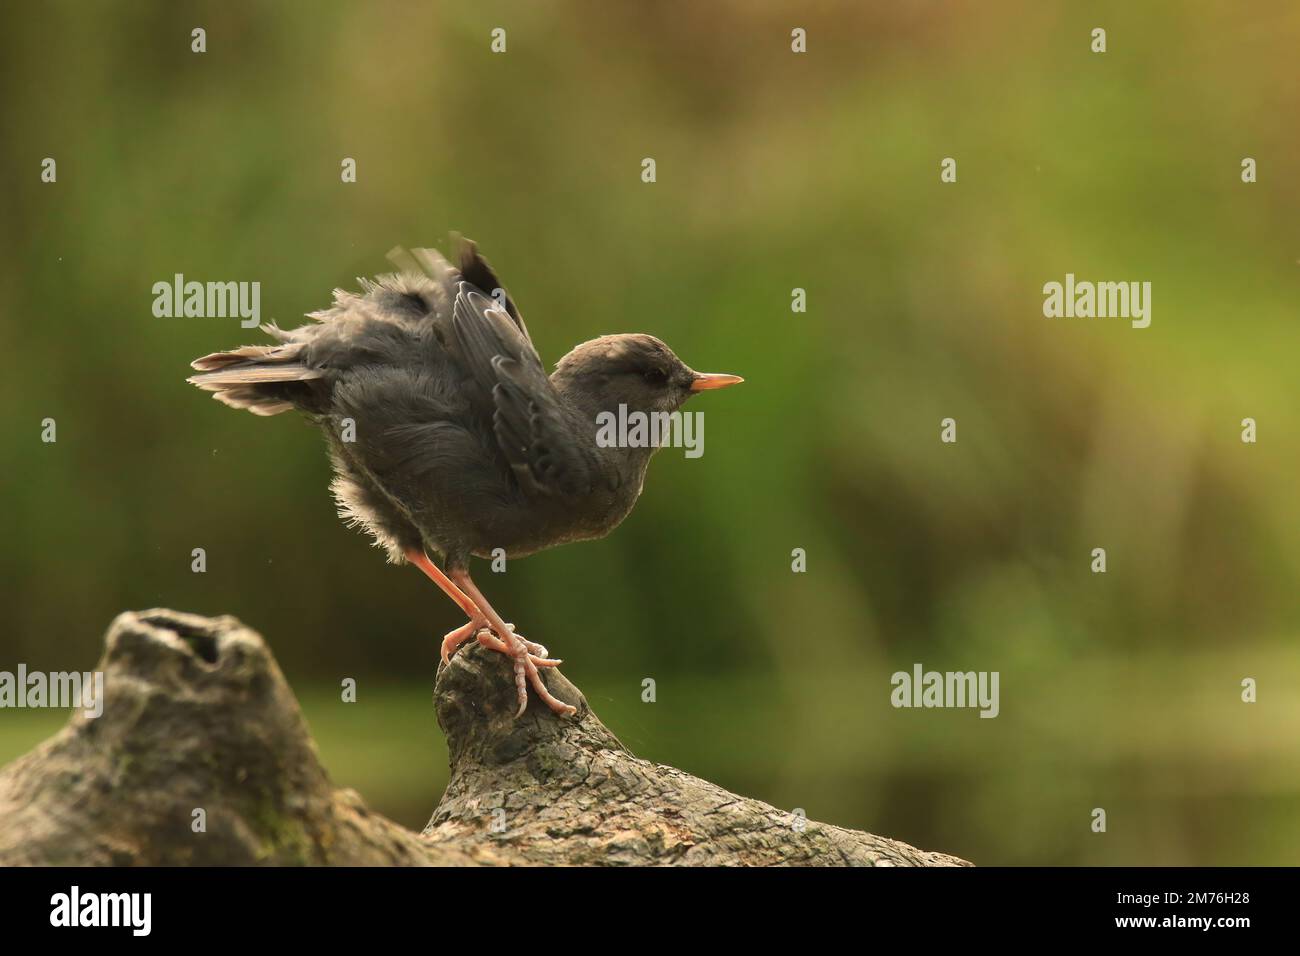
[454, 639]
[536, 651]
[525, 673]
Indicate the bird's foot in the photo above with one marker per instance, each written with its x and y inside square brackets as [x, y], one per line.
[488, 639]
[526, 672]
[528, 657]
[452, 641]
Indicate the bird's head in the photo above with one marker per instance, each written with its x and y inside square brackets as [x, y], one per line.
[635, 370]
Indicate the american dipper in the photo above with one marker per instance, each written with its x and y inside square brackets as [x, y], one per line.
[447, 436]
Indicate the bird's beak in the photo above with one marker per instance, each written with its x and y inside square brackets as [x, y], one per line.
[704, 381]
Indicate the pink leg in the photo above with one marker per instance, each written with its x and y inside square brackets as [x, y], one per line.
[456, 638]
[434, 573]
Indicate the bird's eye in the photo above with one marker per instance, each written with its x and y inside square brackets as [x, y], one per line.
[656, 376]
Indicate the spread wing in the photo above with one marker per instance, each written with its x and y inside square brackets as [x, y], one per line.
[539, 435]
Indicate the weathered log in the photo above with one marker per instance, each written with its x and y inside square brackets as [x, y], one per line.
[198, 717]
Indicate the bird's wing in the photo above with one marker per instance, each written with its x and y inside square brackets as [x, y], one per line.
[432, 297]
[475, 270]
[534, 428]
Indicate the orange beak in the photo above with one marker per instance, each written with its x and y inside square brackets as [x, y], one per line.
[707, 380]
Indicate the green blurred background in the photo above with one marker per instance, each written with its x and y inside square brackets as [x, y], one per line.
[775, 171]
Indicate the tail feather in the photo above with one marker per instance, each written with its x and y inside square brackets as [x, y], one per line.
[258, 354]
[258, 378]
[254, 375]
[252, 400]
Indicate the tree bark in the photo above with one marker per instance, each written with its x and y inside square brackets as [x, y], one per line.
[198, 717]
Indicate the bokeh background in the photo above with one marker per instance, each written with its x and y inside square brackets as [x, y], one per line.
[775, 171]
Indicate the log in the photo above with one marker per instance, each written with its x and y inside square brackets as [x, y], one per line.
[198, 717]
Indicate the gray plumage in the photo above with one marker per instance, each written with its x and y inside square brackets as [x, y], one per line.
[463, 443]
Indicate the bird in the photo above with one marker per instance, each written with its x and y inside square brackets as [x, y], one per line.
[447, 438]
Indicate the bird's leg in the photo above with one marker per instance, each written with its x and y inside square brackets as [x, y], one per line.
[525, 660]
[480, 624]
[477, 621]
[434, 573]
